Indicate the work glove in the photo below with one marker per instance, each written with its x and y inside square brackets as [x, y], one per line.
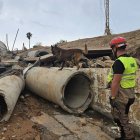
[113, 102]
[108, 85]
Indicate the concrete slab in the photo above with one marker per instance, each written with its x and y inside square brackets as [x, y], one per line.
[87, 131]
[51, 124]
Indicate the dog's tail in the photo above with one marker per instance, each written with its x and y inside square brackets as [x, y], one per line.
[86, 49]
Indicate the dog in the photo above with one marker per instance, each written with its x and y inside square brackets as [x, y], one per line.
[74, 55]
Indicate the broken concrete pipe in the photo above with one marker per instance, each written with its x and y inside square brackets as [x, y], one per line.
[37, 53]
[69, 88]
[10, 89]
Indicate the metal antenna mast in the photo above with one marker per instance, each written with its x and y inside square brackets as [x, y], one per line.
[107, 28]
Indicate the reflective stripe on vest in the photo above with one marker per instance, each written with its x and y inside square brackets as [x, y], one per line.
[129, 76]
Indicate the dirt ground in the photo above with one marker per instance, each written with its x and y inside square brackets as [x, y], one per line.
[20, 126]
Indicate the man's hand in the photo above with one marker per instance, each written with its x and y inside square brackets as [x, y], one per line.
[113, 101]
[108, 85]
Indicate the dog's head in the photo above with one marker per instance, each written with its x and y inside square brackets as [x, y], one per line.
[55, 50]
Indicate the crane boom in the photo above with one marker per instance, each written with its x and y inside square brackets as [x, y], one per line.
[107, 28]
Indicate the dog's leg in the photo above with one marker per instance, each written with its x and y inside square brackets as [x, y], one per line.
[63, 63]
[78, 66]
[86, 62]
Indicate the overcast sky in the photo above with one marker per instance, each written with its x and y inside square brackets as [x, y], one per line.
[53, 20]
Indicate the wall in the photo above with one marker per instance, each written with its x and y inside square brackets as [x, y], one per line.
[101, 95]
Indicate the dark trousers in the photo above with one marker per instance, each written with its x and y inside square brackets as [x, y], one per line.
[120, 116]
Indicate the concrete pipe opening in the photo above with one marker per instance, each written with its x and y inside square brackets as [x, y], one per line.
[3, 107]
[77, 91]
[41, 53]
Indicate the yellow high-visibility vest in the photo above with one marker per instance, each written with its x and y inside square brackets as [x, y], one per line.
[129, 75]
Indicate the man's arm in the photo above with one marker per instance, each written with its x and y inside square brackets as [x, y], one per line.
[115, 84]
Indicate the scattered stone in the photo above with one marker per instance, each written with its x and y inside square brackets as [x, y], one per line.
[17, 67]
[56, 106]
[108, 63]
[92, 65]
[100, 63]
[18, 126]
[27, 95]
[13, 136]
[106, 57]
[90, 118]
[100, 58]
[115, 128]
[22, 97]
[37, 137]
[17, 57]
[3, 138]
[83, 121]
[4, 129]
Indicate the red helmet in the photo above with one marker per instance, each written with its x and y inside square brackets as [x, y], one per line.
[118, 42]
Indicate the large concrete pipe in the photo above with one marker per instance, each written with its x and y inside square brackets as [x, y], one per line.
[68, 88]
[10, 89]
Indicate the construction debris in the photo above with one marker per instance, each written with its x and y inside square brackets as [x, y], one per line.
[73, 90]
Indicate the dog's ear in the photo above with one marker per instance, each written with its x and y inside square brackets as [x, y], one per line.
[52, 48]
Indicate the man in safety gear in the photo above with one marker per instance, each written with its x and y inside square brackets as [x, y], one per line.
[123, 80]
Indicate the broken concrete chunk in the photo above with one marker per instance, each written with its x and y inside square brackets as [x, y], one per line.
[100, 63]
[108, 63]
[106, 58]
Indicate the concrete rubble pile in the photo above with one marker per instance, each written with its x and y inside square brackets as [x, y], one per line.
[73, 90]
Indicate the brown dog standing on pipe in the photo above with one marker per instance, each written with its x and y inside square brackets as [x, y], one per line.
[75, 55]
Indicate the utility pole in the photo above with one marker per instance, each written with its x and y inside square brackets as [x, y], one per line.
[7, 42]
[15, 40]
[107, 28]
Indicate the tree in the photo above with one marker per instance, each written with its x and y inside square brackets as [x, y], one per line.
[29, 35]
